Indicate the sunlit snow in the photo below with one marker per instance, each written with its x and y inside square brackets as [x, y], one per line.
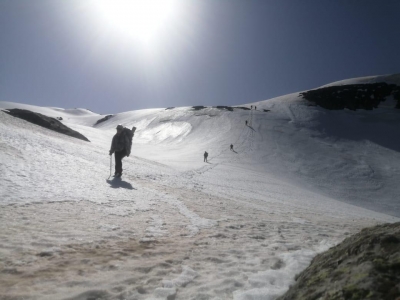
[300, 180]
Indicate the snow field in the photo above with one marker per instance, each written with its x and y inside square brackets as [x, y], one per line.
[239, 227]
[249, 251]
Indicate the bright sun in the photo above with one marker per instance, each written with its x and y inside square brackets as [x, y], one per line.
[141, 20]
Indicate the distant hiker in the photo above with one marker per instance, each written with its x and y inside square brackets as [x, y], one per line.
[246, 122]
[251, 107]
[255, 107]
[231, 147]
[205, 156]
[121, 145]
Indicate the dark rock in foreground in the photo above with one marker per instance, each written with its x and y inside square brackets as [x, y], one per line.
[364, 266]
[353, 96]
[45, 121]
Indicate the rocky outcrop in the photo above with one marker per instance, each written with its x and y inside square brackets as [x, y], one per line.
[104, 119]
[353, 96]
[198, 107]
[396, 96]
[44, 121]
[221, 107]
[364, 266]
[224, 107]
[241, 107]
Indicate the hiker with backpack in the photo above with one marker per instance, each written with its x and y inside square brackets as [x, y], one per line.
[205, 156]
[121, 145]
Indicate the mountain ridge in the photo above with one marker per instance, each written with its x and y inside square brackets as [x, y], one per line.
[298, 180]
[350, 148]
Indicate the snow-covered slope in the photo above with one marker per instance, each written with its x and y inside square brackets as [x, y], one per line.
[75, 115]
[390, 79]
[299, 180]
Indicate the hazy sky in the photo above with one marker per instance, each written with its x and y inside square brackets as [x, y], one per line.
[79, 53]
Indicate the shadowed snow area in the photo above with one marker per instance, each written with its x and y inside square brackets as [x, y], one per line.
[300, 180]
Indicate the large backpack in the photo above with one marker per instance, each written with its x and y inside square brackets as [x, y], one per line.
[129, 133]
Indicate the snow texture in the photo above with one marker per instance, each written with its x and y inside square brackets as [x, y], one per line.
[300, 180]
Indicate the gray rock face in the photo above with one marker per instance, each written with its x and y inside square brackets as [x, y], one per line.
[364, 266]
[104, 119]
[353, 96]
[45, 121]
[198, 107]
[223, 107]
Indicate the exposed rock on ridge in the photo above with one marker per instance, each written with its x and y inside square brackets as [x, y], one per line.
[104, 119]
[353, 96]
[44, 121]
[364, 266]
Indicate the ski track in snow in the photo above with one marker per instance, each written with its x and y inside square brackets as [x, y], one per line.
[239, 227]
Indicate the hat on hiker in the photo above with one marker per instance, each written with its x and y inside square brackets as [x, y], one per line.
[120, 127]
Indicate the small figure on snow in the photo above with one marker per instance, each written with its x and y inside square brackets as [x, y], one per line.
[205, 156]
[246, 122]
[255, 107]
[121, 145]
[231, 147]
[251, 106]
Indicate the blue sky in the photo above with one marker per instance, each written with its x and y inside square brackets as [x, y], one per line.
[214, 52]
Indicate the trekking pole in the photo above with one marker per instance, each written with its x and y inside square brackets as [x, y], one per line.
[110, 165]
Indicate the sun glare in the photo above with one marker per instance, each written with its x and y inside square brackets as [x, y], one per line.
[141, 20]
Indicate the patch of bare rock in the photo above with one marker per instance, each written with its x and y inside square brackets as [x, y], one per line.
[363, 266]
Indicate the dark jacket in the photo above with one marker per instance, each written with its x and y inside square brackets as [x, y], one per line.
[120, 142]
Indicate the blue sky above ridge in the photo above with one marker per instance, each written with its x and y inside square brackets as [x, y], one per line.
[64, 54]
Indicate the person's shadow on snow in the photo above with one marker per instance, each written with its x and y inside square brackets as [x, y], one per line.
[119, 183]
